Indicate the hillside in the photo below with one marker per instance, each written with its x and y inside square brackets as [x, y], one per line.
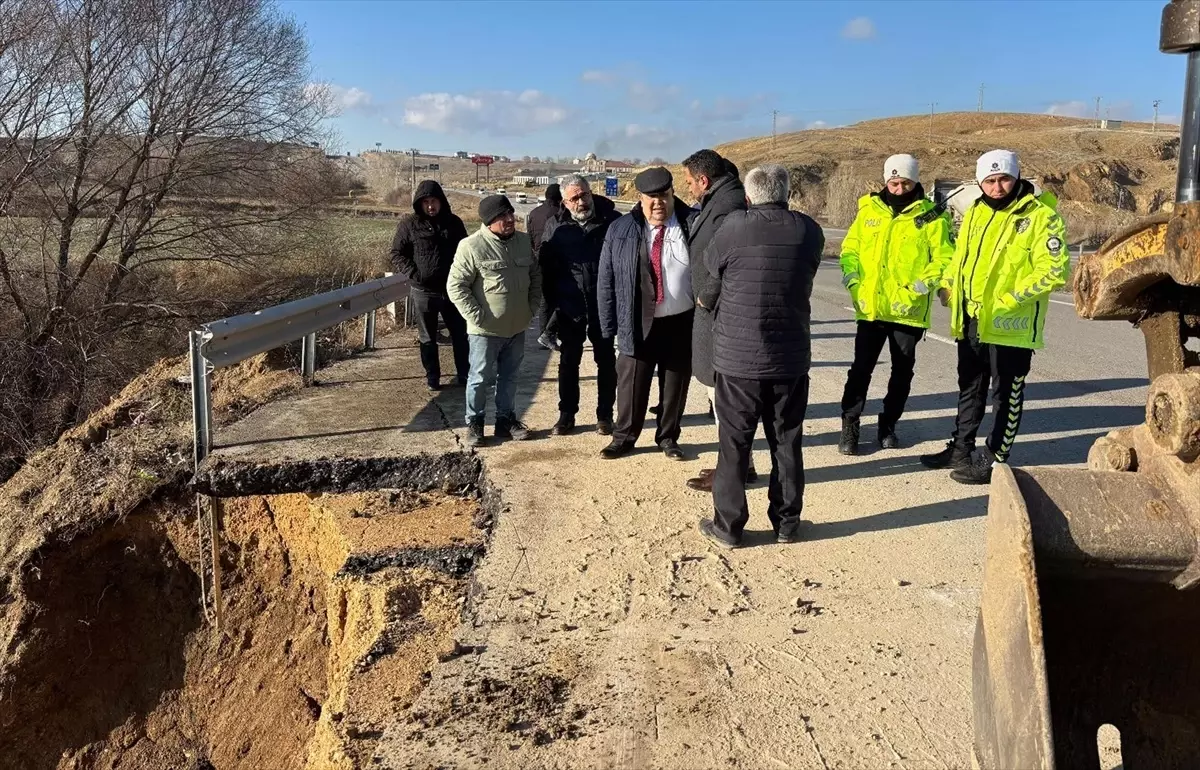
[1105, 179]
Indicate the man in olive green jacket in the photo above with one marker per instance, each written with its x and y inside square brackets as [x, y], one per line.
[496, 285]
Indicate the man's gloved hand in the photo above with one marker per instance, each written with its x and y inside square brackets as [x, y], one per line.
[944, 297]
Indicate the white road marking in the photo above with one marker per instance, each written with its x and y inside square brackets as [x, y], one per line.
[1062, 302]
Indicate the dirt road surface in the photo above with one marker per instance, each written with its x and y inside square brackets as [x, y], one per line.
[607, 633]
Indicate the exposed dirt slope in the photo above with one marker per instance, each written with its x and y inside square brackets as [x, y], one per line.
[1104, 178]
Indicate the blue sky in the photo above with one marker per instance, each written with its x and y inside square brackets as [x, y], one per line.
[644, 79]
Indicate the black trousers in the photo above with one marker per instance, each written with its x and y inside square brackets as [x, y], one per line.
[428, 306]
[669, 347]
[781, 405]
[1005, 369]
[571, 336]
[868, 344]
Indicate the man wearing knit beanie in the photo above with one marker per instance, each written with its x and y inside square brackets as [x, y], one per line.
[496, 284]
[1011, 254]
[893, 257]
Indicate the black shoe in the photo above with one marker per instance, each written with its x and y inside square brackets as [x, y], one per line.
[433, 386]
[849, 441]
[511, 428]
[564, 427]
[604, 426]
[953, 456]
[978, 470]
[887, 436]
[751, 475]
[788, 532]
[656, 410]
[709, 530]
[461, 380]
[670, 448]
[616, 449]
[475, 435]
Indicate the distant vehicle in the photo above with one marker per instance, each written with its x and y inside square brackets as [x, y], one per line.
[501, 191]
[522, 197]
[541, 199]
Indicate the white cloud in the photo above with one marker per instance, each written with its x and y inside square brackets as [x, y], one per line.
[603, 77]
[860, 28]
[1071, 109]
[817, 124]
[498, 113]
[340, 98]
[650, 97]
[727, 110]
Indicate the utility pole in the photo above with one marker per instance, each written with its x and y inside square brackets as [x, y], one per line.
[774, 125]
[1097, 112]
[932, 107]
[1154, 129]
[980, 107]
[414, 172]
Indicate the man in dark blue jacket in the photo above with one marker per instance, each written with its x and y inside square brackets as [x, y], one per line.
[423, 249]
[570, 259]
[645, 301]
[766, 259]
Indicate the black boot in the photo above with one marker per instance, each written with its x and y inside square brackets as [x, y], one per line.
[978, 470]
[887, 435]
[849, 442]
[953, 456]
[475, 435]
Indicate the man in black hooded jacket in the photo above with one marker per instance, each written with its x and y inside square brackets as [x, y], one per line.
[535, 224]
[423, 249]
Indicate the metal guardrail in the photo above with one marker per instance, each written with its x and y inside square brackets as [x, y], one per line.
[226, 342]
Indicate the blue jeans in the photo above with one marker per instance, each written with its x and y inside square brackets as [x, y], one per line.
[494, 361]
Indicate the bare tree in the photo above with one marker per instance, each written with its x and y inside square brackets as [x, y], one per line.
[136, 135]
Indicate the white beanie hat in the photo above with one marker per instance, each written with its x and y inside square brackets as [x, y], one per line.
[902, 167]
[997, 162]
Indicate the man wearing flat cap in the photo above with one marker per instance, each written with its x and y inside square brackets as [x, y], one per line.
[644, 292]
[496, 285]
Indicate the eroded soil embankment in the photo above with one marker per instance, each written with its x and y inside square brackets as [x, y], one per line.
[336, 607]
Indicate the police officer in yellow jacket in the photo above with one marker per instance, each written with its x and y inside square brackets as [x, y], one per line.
[893, 258]
[1011, 255]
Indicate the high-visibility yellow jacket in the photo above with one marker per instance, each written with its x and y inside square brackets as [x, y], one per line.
[1005, 267]
[892, 264]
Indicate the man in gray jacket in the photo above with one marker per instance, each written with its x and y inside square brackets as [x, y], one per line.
[496, 285]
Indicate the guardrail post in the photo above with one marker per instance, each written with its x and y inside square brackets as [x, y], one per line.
[369, 332]
[201, 399]
[308, 358]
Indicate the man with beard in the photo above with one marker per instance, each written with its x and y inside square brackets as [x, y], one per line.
[893, 257]
[423, 249]
[535, 225]
[570, 260]
[644, 292]
[496, 284]
[713, 182]
[1011, 254]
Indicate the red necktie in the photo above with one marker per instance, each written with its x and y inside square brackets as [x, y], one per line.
[656, 263]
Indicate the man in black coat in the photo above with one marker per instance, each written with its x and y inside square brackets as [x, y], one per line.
[535, 225]
[570, 260]
[423, 249]
[712, 181]
[645, 300]
[766, 259]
